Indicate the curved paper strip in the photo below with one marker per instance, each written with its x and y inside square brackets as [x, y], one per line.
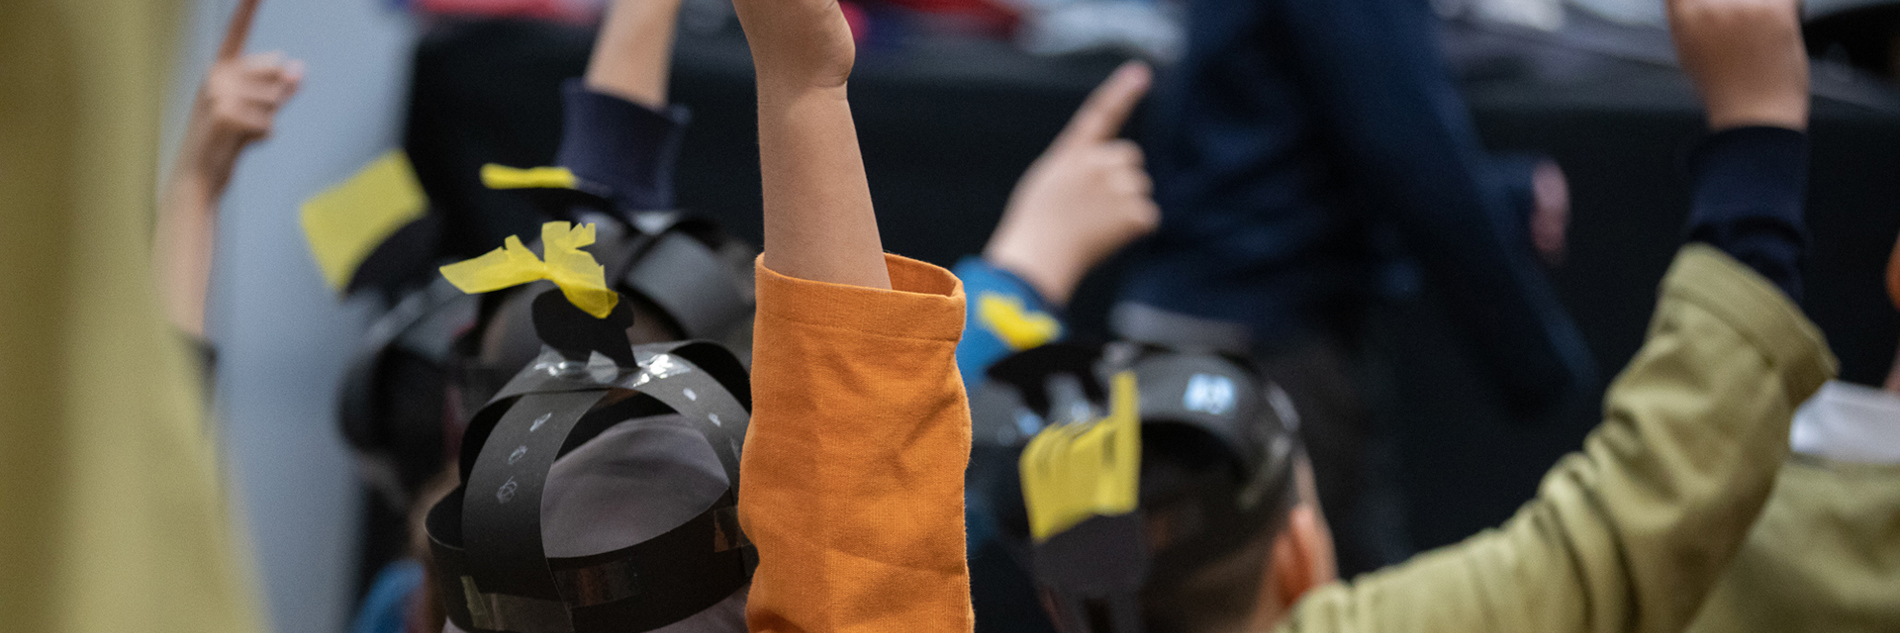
[1074, 471]
[582, 280]
[504, 177]
[1019, 328]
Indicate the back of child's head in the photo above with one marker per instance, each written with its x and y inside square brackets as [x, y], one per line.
[1215, 481]
[633, 482]
[599, 485]
[1182, 472]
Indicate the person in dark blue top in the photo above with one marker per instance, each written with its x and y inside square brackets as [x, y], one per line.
[1306, 155]
[1289, 137]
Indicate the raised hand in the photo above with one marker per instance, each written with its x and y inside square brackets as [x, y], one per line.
[1746, 59]
[236, 106]
[797, 44]
[1893, 293]
[238, 103]
[634, 52]
[1084, 198]
[1550, 213]
[819, 223]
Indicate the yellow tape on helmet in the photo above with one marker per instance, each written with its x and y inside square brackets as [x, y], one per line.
[1071, 472]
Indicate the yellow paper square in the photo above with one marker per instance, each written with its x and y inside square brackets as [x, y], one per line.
[346, 222]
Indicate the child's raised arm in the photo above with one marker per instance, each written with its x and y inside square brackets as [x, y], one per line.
[236, 106]
[819, 224]
[851, 485]
[632, 58]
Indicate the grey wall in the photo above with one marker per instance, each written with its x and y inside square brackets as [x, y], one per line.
[283, 337]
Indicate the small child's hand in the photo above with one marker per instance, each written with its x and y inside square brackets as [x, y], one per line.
[238, 102]
[1084, 199]
[1746, 59]
[235, 107]
[797, 44]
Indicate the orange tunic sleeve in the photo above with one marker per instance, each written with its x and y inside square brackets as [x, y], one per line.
[852, 481]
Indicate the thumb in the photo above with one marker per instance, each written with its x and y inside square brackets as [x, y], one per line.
[1107, 108]
[238, 30]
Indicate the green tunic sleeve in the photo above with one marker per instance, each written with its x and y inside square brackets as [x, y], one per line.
[1632, 532]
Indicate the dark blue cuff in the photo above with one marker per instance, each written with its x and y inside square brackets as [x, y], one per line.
[1750, 189]
[1512, 174]
[627, 147]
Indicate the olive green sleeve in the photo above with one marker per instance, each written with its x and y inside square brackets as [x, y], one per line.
[1632, 532]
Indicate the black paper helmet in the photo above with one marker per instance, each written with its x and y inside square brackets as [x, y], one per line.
[393, 405]
[682, 271]
[486, 536]
[494, 572]
[418, 374]
[1093, 572]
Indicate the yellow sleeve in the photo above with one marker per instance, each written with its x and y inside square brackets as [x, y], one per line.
[1821, 558]
[112, 513]
[1632, 532]
[852, 481]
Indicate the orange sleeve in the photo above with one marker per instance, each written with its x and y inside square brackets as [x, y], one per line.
[852, 480]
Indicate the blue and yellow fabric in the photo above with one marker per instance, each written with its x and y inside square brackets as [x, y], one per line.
[1004, 316]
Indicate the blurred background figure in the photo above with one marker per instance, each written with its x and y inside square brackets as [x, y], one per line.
[113, 516]
[1308, 158]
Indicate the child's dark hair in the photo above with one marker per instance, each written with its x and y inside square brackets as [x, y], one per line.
[1216, 479]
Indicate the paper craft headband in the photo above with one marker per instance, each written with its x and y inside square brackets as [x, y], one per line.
[1079, 467]
[486, 536]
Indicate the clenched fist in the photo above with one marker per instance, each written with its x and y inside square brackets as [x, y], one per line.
[1746, 59]
[797, 44]
[1085, 198]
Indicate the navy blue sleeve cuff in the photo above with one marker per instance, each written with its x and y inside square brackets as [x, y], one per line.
[993, 277]
[1750, 190]
[629, 148]
[1511, 173]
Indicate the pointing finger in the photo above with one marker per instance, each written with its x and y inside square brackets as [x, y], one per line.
[238, 30]
[1107, 108]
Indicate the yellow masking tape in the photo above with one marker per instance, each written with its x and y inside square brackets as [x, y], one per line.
[581, 279]
[344, 223]
[504, 177]
[1075, 471]
[1018, 327]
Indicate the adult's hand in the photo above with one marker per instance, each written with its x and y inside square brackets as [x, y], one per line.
[1746, 59]
[1086, 197]
[1893, 293]
[1550, 215]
